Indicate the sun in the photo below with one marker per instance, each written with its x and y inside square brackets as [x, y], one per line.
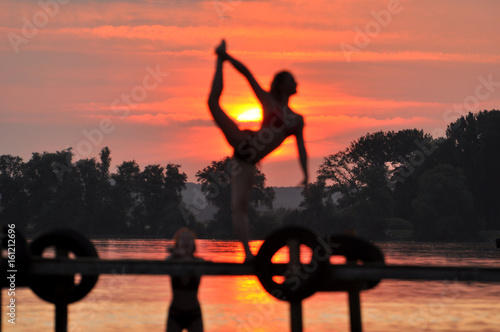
[252, 115]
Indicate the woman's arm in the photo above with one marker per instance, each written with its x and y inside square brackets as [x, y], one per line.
[302, 151]
[263, 96]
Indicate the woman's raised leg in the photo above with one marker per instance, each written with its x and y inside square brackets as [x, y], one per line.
[233, 134]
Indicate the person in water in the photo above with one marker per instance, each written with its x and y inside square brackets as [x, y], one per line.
[278, 122]
[185, 310]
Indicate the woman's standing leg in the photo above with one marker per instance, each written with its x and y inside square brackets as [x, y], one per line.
[241, 186]
[172, 326]
[197, 325]
[243, 173]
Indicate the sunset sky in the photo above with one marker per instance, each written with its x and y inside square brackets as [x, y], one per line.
[135, 75]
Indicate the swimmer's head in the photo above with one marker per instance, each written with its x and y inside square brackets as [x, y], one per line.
[185, 239]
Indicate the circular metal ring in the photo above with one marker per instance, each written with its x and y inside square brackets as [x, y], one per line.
[47, 287]
[355, 251]
[301, 280]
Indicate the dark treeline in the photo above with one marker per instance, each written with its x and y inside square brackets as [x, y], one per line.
[51, 191]
[445, 189]
[384, 185]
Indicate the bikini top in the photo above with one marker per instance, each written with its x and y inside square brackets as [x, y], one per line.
[179, 284]
[277, 119]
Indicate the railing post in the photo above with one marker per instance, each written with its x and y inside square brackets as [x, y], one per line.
[61, 319]
[296, 316]
[355, 310]
[1, 273]
[354, 306]
[0, 302]
[295, 306]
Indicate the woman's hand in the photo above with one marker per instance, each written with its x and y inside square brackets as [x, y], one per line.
[221, 49]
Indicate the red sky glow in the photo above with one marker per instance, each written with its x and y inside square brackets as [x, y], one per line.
[143, 69]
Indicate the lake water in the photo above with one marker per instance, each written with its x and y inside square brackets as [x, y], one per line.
[139, 303]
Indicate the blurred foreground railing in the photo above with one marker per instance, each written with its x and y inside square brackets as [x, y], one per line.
[368, 271]
[53, 279]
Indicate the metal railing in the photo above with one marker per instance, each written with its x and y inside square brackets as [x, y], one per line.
[52, 279]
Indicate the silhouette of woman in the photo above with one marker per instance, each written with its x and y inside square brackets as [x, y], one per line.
[278, 122]
[184, 311]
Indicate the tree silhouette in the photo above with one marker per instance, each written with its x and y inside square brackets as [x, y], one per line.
[363, 175]
[51, 190]
[14, 199]
[475, 142]
[443, 206]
